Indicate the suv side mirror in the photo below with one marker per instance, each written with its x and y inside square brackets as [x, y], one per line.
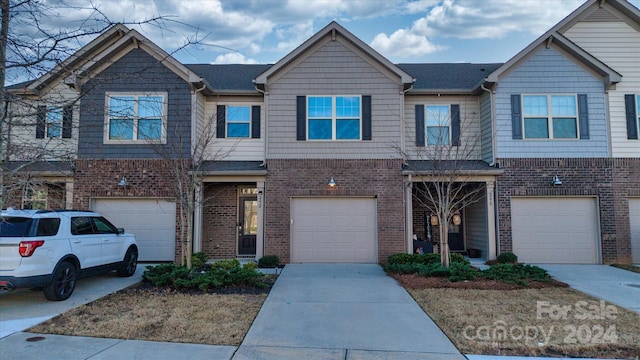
[120, 231]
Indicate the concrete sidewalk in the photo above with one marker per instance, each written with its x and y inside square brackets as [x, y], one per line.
[342, 311]
[617, 286]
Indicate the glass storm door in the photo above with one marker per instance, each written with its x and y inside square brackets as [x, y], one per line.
[456, 237]
[247, 226]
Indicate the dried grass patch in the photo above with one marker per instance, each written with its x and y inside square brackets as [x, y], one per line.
[507, 322]
[149, 314]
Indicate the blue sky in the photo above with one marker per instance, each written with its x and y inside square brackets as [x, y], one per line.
[405, 31]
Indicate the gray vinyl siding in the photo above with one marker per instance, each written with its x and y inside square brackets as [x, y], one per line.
[135, 72]
[550, 72]
[476, 226]
[486, 128]
[334, 68]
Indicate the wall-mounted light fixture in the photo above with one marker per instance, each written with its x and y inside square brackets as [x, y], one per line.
[456, 219]
[123, 182]
[434, 220]
[556, 181]
[332, 183]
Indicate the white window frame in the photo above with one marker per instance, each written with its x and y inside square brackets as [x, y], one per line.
[226, 120]
[333, 117]
[135, 140]
[48, 122]
[549, 117]
[426, 124]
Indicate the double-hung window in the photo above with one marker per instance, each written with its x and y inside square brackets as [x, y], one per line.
[334, 117]
[54, 122]
[136, 118]
[438, 125]
[238, 121]
[550, 116]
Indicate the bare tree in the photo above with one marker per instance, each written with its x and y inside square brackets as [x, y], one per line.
[443, 167]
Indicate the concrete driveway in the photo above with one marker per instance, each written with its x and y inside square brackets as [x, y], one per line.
[24, 308]
[342, 311]
[620, 287]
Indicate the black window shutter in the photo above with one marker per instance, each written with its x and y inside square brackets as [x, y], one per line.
[255, 122]
[632, 117]
[583, 116]
[420, 125]
[455, 125]
[516, 118]
[41, 121]
[221, 118]
[366, 117]
[67, 121]
[301, 118]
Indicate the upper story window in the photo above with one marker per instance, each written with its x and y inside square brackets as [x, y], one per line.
[238, 121]
[334, 118]
[550, 116]
[54, 122]
[438, 125]
[136, 118]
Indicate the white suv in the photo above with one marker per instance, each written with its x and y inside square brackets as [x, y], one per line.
[53, 248]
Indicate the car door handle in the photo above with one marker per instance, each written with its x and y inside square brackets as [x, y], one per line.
[77, 241]
[106, 240]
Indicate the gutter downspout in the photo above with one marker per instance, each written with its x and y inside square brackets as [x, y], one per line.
[265, 94]
[403, 92]
[197, 216]
[494, 145]
[263, 192]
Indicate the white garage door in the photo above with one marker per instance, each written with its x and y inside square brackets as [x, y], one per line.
[634, 219]
[555, 230]
[333, 230]
[152, 221]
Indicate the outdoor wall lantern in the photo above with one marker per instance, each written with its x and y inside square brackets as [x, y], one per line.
[556, 181]
[457, 219]
[332, 183]
[434, 220]
[123, 182]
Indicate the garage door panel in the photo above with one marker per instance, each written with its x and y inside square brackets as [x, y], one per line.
[555, 230]
[333, 230]
[634, 221]
[152, 221]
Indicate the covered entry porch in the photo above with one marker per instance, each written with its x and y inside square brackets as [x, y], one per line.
[229, 216]
[471, 228]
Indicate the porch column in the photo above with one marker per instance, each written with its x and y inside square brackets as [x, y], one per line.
[491, 219]
[197, 219]
[408, 214]
[260, 234]
[68, 187]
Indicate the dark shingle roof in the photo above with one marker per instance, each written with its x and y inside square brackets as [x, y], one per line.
[18, 86]
[232, 166]
[451, 76]
[39, 166]
[229, 76]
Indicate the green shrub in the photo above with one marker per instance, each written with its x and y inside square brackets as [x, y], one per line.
[198, 260]
[458, 258]
[462, 271]
[516, 274]
[403, 258]
[220, 273]
[436, 270]
[268, 261]
[507, 258]
[250, 266]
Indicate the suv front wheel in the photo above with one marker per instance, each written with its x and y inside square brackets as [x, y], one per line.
[129, 263]
[62, 283]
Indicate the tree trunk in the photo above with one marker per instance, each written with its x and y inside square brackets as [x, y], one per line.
[444, 240]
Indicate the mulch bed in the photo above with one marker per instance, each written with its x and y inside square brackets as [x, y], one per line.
[413, 281]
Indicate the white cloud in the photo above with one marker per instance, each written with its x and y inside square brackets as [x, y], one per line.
[292, 36]
[233, 58]
[403, 43]
[494, 19]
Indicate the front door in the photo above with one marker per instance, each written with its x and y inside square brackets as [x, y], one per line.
[456, 237]
[247, 225]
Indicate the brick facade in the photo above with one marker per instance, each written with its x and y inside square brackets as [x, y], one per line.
[379, 178]
[612, 181]
[219, 218]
